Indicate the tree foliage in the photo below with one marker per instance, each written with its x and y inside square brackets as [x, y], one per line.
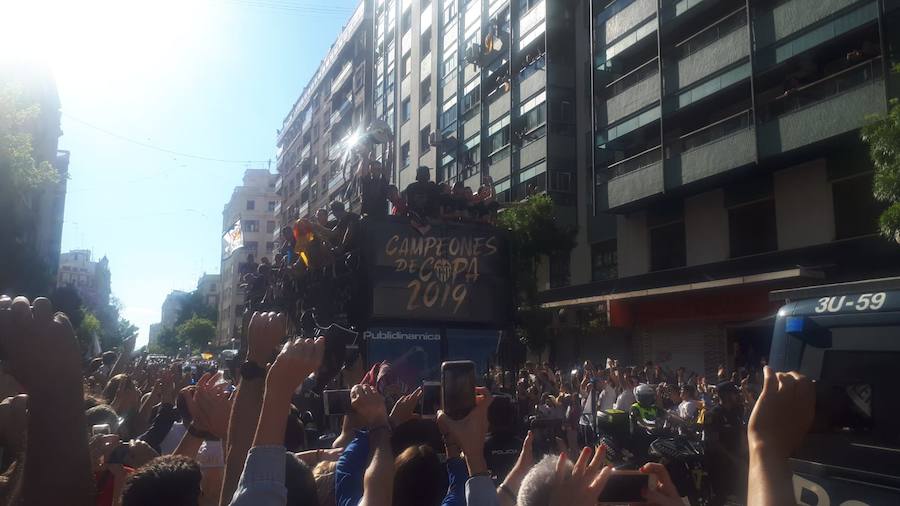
[534, 233]
[882, 134]
[195, 333]
[21, 271]
[194, 305]
[86, 332]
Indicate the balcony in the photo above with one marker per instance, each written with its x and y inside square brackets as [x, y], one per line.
[633, 91]
[277, 208]
[635, 178]
[338, 113]
[336, 180]
[711, 50]
[826, 108]
[790, 17]
[342, 76]
[621, 20]
[279, 182]
[717, 148]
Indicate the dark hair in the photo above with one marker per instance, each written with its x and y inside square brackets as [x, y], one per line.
[94, 366]
[109, 358]
[420, 478]
[173, 480]
[109, 393]
[689, 389]
[300, 483]
[337, 205]
[101, 414]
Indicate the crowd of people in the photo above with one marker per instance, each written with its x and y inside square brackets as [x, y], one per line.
[132, 431]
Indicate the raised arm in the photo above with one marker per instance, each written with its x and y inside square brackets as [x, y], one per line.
[378, 485]
[265, 332]
[47, 363]
[262, 481]
[780, 420]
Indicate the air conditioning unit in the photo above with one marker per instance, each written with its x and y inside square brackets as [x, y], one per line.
[434, 139]
[473, 54]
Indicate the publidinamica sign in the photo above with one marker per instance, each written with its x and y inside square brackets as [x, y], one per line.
[454, 273]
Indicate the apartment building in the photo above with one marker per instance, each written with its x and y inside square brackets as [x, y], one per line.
[254, 203]
[332, 105]
[91, 279]
[726, 162]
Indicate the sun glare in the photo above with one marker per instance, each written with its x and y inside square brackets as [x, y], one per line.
[94, 45]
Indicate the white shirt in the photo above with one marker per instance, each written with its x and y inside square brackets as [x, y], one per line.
[607, 398]
[688, 410]
[625, 400]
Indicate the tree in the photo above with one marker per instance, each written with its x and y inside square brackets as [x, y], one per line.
[194, 305]
[166, 343]
[20, 175]
[882, 134]
[195, 333]
[534, 234]
[86, 332]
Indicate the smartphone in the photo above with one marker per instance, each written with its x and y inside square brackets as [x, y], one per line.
[431, 399]
[458, 388]
[99, 429]
[337, 402]
[626, 487]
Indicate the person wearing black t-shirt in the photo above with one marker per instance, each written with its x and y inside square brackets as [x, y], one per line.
[725, 437]
[374, 187]
[422, 196]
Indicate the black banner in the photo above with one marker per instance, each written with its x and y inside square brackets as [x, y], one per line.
[453, 273]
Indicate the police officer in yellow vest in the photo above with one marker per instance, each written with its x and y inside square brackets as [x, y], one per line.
[645, 410]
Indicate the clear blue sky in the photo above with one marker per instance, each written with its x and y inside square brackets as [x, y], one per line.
[214, 78]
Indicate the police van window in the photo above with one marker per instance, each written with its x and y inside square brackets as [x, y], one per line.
[855, 391]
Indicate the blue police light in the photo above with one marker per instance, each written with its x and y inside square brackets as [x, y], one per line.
[794, 325]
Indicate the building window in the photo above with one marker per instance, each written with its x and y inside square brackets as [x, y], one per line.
[448, 66]
[251, 205]
[406, 21]
[856, 212]
[251, 246]
[270, 226]
[404, 155]
[559, 269]
[752, 228]
[449, 12]
[667, 246]
[472, 95]
[425, 91]
[498, 138]
[405, 110]
[425, 43]
[251, 226]
[448, 116]
[604, 260]
[270, 246]
[272, 205]
[534, 113]
[405, 66]
[425, 139]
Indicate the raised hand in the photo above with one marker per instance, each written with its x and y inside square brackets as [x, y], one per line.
[471, 430]
[583, 484]
[405, 407]
[783, 414]
[524, 464]
[298, 359]
[265, 332]
[42, 341]
[213, 405]
[369, 405]
[664, 493]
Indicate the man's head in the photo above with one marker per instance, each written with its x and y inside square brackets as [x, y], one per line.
[286, 233]
[300, 483]
[423, 174]
[173, 480]
[322, 216]
[102, 414]
[729, 395]
[688, 393]
[538, 483]
[420, 478]
[338, 209]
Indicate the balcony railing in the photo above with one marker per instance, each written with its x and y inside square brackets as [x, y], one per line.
[277, 207]
[642, 159]
[715, 131]
[645, 71]
[800, 97]
[279, 181]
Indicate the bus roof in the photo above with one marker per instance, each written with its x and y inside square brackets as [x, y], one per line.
[853, 287]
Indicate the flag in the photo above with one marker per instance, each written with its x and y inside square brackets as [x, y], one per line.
[232, 240]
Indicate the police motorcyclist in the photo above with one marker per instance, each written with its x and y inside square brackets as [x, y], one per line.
[644, 411]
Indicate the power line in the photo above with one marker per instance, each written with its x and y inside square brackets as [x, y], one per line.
[157, 148]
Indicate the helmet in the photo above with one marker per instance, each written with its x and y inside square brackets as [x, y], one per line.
[645, 394]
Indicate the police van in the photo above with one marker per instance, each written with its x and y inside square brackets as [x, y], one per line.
[846, 337]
